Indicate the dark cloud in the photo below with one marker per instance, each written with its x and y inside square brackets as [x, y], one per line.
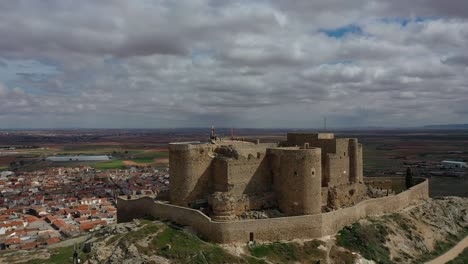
[232, 63]
[456, 60]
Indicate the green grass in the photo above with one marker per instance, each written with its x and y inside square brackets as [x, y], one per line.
[182, 244]
[289, 252]
[114, 164]
[143, 160]
[143, 232]
[148, 157]
[59, 256]
[153, 154]
[460, 259]
[188, 248]
[368, 240]
[98, 149]
[284, 252]
[2, 168]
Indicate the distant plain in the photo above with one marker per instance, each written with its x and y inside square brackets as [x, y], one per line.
[386, 152]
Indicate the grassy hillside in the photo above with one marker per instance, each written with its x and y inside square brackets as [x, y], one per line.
[414, 235]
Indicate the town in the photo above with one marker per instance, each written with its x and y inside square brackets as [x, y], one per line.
[43, 207]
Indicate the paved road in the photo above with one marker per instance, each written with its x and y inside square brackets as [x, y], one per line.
[452, 253]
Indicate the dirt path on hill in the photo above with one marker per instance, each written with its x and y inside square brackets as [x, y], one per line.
[452, 253]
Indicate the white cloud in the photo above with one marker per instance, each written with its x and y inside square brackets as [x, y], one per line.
[3, 89]
[197, 63]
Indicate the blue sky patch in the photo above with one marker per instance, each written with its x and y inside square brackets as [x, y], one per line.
[342, 31]
[405, 21]
[15, 69]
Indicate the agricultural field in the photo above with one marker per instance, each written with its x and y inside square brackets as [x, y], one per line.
[385, 152]
[122, 156]
[389, 153]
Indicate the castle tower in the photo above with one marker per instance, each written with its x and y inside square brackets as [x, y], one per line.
[355, 168]
[190, 170]
[297, 179]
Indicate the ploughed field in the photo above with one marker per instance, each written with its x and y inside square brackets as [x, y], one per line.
[390, 152]
[386, 152]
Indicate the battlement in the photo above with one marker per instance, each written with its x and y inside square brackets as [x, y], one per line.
[234, 176]
[185, 146]
[311, 135]
[313, 180]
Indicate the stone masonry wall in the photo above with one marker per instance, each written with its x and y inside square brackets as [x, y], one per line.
[248, 175]
[190, 172]
[274, 229]
[298, 181]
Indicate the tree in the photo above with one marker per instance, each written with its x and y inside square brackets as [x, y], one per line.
[409, 178]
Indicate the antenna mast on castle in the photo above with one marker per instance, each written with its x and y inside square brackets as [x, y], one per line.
[213, 135]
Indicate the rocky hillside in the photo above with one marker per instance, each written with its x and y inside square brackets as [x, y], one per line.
[413, 235]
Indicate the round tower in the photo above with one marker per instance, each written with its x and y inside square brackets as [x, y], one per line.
[299, 183]
[189, 168]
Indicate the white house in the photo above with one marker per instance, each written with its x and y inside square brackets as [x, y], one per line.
[454, 164]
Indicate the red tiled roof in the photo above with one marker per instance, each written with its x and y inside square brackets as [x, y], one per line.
[51, 218]
[12, 240]
[52, 240]
[86, 226]
[12, 224]
[30, 218]
[59, 223]
[83, 207]
[29, 245]
[4, 217]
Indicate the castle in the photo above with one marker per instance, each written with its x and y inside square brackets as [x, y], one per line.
[307, 174]
[313, 179]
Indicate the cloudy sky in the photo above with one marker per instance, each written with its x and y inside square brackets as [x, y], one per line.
[125, 64]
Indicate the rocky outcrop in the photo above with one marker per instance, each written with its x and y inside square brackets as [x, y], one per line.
[117, 247]
[413, 235]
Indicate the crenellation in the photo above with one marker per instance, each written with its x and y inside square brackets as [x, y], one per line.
[313, 182]
[229, 173]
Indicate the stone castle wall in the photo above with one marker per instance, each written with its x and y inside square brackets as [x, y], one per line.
[237, 176]
[248, 175]
[193, 165]
[341, 157]
[297, 179]
[273, 229]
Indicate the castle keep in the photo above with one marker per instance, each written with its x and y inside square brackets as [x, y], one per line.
[307, 174]
[314, 180]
